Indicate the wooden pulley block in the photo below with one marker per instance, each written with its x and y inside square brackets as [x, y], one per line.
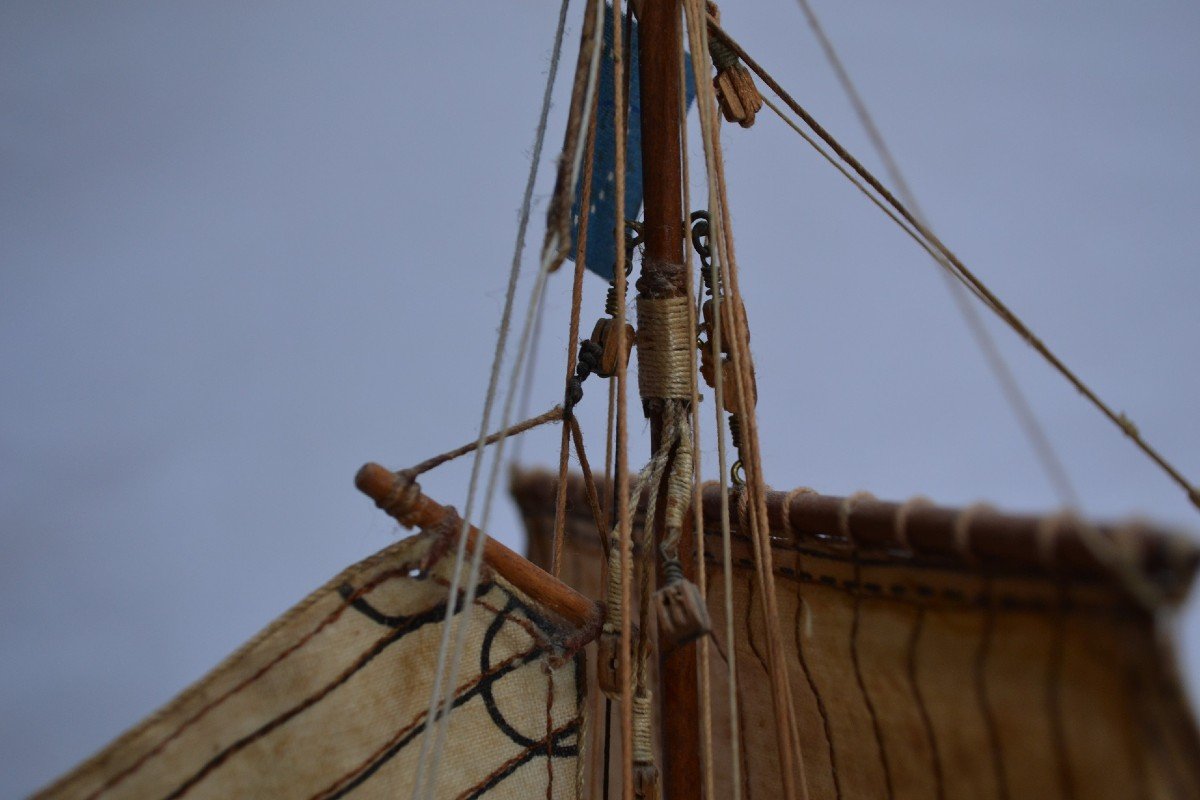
[645, 781]
[728, 320]
[730, 393]
[608, 662]
[682, 614]
[737, 95]
[604, 334]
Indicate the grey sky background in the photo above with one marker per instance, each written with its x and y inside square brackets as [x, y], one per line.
[245, 247]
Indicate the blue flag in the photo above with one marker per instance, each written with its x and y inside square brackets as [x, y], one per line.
[601, 253]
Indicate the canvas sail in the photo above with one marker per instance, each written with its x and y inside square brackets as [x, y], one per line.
[331, 700]
[977, 655]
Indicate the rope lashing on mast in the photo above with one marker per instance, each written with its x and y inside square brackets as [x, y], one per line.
[736, 92]
[665, 347]
[929, 241]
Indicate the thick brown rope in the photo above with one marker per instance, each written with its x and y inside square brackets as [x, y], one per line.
[756, 483]
[553, 415]
[589, 485]
[960, 271]
[706, 106]
[1009, 388]
[704, 667]
[560, 501]
[791, 762]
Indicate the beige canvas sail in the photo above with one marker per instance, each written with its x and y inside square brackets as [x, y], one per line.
[968, 655]
[330, 700]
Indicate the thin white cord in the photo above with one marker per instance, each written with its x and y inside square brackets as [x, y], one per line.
[698, 36]
[1026, 418]
[549, 255]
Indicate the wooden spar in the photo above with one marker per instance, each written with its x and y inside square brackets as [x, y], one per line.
[1007, 544]
[663, 275]
[386, 487]
[658, 54]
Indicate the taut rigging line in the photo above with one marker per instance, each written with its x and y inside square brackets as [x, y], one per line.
[946, 257]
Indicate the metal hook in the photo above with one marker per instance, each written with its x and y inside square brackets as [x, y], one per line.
[700, 235]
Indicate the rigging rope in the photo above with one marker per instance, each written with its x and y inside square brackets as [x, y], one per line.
[960, 271]
[705, 678]
[789, 755]
[440, 702]
[698, 39]
[560, 503]
[1026, 418]
[624, 530]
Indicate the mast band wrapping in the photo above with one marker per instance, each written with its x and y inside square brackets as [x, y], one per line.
[666, 343]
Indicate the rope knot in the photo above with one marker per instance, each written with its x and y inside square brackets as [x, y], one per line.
[590, 355]
[400, 502]
[665, 345]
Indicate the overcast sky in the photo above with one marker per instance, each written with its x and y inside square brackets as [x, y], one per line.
[247, 246]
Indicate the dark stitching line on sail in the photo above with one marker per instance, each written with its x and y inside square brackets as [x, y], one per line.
[812, 685]
[360, 774]
[1054, 697]
[1182, 740]
[985, 706]
[1149, 727]
[923, 711]
[742, 751]
[512, 765]
[898, 593]
[749, 628]
[360, 604]
[331, 618]
[1137, 753]
[858, 678]
[549, 735]
[416, 622]
[876, 558]
[489, 699]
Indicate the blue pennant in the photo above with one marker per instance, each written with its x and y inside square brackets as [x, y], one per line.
[601, 252]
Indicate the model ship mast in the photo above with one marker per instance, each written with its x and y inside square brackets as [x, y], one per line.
[663, 278]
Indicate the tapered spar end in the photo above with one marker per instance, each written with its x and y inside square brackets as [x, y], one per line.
[375, 481]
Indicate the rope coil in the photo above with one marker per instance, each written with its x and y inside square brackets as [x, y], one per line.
[665, 346]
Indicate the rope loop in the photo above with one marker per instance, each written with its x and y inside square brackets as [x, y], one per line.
[845, 508]
[962, 531]
[900, 525]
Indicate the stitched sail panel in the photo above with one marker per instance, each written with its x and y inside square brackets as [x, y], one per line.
[331, 700]
[933, 676]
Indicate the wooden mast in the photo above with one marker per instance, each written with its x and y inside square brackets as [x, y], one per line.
[664, 275]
